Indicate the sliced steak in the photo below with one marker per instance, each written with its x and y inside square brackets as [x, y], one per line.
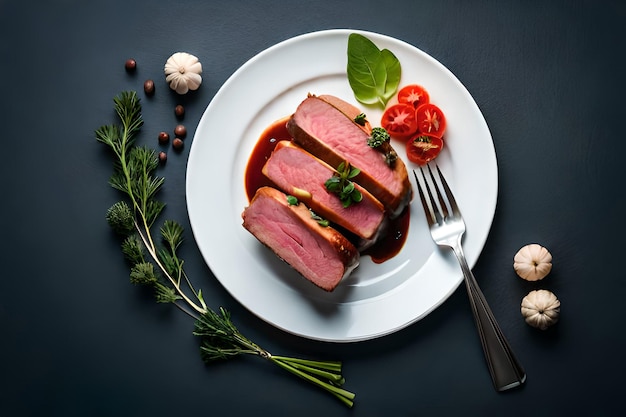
[320, 254]
[328, 133]
[298, 173]
[348, 109]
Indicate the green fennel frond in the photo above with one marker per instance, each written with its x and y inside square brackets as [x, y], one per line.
[166, 294]
[172, 236]
[220, 338]
[128, 108]
[172, 233]
[172, 264]
[142, 162]
[121, 219]
[152, 211]
[110, 135]
[133, 250]
[143, 273]
[119, 181]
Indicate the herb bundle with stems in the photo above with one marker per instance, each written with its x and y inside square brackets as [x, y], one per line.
[156, 263]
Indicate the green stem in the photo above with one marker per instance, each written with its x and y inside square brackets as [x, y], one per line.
[251, 346]
[154, 256]
[187, 312]
[305, 369]
[129, 188]
[345, 396]
[197, 294]
[328, 365]
[313, 368]
[121, 155]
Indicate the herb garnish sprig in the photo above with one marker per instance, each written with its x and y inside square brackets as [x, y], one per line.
[378, 137]
[341, 185]
[360, 119]
[157, 264]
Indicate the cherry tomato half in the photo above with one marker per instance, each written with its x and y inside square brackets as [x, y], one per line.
[414, 95]
[422, 148]
[430, 120]
[399, 121]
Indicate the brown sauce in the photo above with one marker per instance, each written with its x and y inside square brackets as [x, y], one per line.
[392, 242]
[254, 178]
[385, 248]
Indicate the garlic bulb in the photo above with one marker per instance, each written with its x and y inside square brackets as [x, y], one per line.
[541, 309]
[182, 72]
[532, 262]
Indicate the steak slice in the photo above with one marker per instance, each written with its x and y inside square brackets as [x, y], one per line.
[348, 109]
[297, 172]
[327, 132]
[320, 254]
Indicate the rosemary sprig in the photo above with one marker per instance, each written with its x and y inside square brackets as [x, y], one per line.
[157, 264]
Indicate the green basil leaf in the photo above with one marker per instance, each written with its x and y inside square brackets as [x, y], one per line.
[354, 172]
[393, 72]
[348, 188]
[374, 75]
[363, 68]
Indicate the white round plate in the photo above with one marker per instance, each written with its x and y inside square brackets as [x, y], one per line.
[377, 299]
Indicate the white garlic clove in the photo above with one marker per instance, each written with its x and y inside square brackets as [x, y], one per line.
[541, 309]
[532, 262]
[182, 72]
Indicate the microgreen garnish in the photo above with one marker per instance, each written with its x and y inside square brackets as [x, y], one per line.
[156, 264]
[360, 119]
[341, 185]
[378, 137]
[292, 201]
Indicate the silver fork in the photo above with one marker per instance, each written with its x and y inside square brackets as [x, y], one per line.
[447, 228]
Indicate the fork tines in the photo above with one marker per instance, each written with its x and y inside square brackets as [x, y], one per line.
[439, 209]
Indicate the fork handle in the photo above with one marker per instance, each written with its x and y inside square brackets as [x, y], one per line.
[506, 372]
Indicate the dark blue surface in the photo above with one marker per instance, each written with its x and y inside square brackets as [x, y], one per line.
[78, 340]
